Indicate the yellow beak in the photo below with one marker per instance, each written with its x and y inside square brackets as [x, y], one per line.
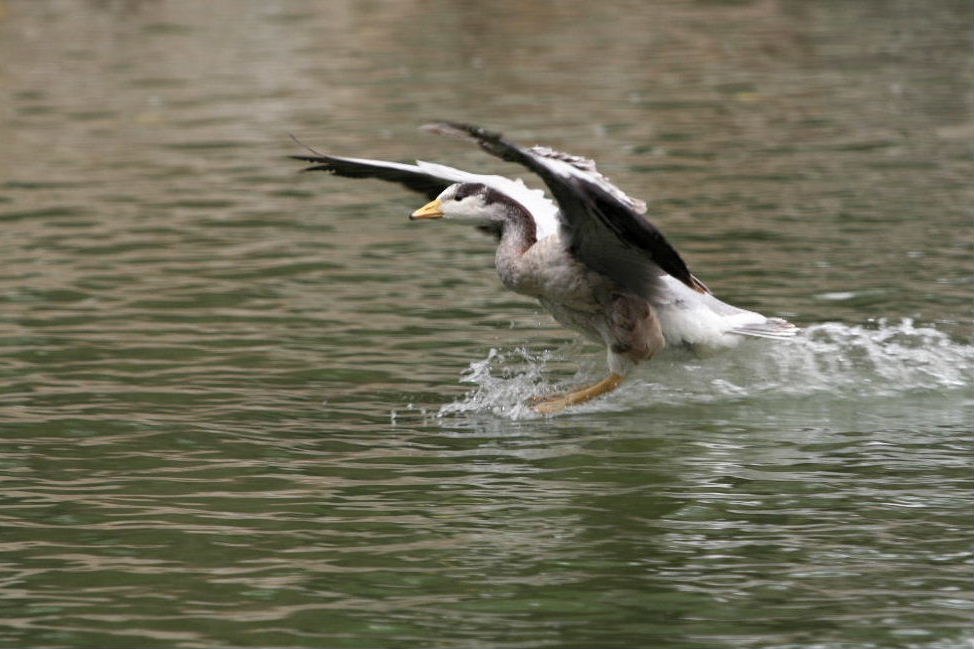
[432, 210]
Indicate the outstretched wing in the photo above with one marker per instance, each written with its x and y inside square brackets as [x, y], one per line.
[606, 229]
[430, 179]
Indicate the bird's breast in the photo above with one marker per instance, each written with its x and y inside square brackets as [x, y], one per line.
[547, 271]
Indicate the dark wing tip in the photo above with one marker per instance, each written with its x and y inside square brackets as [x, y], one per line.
[490, 141]
[320, 164]
[464, 131]
[460, 130]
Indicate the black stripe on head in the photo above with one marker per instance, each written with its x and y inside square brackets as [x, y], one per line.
[470, 189]
[489, 194]
[514, 214]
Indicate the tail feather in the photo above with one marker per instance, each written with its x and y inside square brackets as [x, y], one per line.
[770, 328]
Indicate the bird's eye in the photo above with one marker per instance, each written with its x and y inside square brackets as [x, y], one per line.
[458, 198]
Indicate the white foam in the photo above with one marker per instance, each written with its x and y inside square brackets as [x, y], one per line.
[843, 362]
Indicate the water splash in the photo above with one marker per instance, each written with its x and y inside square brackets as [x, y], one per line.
[844, 362]
[505, 382]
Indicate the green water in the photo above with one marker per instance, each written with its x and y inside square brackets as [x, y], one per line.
[241, 406]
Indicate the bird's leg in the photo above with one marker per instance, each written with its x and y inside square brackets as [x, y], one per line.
[634, 335]
[556, 396]
[558, 403]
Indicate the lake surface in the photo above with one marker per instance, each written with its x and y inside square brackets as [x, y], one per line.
[244, 406]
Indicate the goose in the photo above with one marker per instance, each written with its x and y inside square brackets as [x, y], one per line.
[588, 254]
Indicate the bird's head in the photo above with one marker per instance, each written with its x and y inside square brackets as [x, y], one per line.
[471, 204]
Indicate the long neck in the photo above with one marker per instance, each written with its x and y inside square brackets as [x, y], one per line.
[518, 233]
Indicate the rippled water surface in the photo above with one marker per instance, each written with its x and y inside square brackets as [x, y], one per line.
[244, 406]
